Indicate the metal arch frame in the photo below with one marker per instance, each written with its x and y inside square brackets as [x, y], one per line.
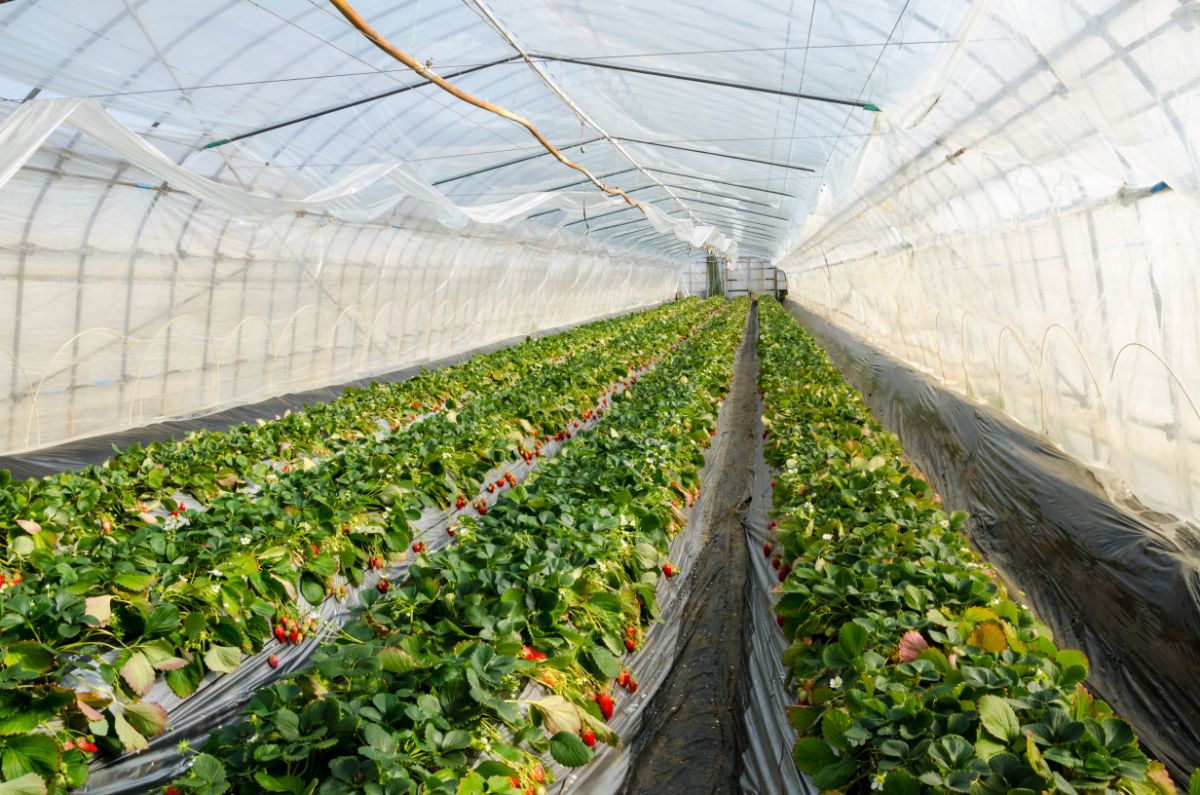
[513, 162]
[502, 30]
[712, 81]
[722, 182]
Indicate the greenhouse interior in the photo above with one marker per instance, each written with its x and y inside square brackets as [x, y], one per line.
[447, 397]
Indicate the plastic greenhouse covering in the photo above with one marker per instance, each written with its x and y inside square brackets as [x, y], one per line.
[212, 206]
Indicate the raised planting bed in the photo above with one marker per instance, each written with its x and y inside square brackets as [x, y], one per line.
[111, 584]
[914, 669]
[503, 650]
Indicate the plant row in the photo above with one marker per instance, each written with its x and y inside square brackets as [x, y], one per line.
[207, 464]
[914, 668]
[506, 645]
[188, 592]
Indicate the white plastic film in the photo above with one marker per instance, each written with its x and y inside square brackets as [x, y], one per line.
[1025, 228]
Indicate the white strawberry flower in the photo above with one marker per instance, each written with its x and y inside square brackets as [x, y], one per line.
[877, 781]
[245, 540]
[827, 537]
[836, 683]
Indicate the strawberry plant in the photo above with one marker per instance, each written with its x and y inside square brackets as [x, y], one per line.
[501, 647]
[136, 588]
[914, 668]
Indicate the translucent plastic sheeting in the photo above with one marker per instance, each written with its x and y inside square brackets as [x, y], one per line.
[743, 154]
[1024, 227]
[95, 450]
[350, 218]
[129, 305]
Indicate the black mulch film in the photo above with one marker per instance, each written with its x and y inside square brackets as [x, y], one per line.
[693, 736]
[1119, 582]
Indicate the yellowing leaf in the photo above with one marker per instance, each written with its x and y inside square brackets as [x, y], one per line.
[161, 658]
[977, 615]
[139, 673]
[396, 660]
[222, 658]
[99, 608]
[559, 714]
[28, 784]
[147, 718]
[29, 526]
[91, 713]
[988, 637]
[130, 737]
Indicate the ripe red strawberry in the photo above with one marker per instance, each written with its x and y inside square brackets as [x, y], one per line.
[669, 570]
[776, 562]
[280, 634]
[779, 620]
[623, 678]
[315, 551]
[589, 738]
[516, 782]
[767, 549]
[383, 586]
[632, 686]
[460, 502]
[172, 791]
[784, 571]
[630, 644]
[631, 631]
[418, 547]
[450, 531]
[483, 510]
[87, 746]
[273, 661]
[606, 704]
[294, 636]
